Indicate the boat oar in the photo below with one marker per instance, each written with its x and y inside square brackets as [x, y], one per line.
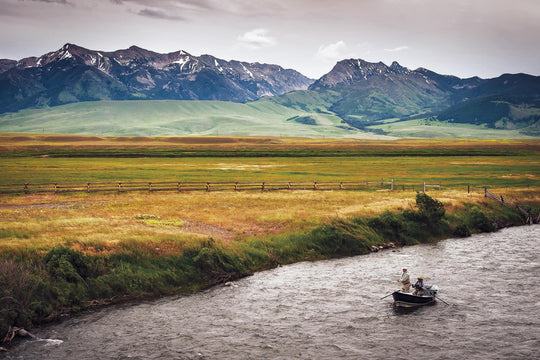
[384, 297]
[442, 300]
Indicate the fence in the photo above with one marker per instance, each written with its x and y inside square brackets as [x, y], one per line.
[523, 209]
[180, 186]
[188, 186]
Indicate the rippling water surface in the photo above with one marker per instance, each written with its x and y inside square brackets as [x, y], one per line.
[332, 309]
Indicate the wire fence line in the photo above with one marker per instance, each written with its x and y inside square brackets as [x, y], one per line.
[209, 186]
[188, 186]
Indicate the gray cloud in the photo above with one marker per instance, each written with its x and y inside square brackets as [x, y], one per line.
[65, 2]
[168, 4]
[164, 9]
[159, 14]
[459, 37]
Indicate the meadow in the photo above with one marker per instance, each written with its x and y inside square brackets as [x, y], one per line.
[46, 219]
[70, 251]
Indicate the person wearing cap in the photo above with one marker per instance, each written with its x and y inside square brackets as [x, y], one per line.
[405, 281]
[419, 286]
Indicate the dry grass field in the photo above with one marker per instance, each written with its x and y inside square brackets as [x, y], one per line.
[10, 142]
[97, 221]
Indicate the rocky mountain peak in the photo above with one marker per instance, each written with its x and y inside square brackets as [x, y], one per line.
[73, 73]
[353, 71]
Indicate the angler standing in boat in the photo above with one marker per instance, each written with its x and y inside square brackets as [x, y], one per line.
[405, 281]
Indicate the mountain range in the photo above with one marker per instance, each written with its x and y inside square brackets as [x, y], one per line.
[364, 94]
[359, 94]
[74, 74]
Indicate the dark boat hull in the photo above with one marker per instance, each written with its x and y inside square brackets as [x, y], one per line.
[407, 300]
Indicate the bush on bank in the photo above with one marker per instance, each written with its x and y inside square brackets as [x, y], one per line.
[35, 288]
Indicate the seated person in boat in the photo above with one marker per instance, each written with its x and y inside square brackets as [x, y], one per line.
[419, 286]
[404, 280]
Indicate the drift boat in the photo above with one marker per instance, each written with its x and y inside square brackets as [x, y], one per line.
[409, 300]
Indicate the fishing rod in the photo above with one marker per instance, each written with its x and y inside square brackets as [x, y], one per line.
[442, 300]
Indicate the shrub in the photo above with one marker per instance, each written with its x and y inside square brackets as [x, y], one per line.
[431, 208]
[390, 226]
[65, 263]
[25, 294]
[479, 221]
[462, 230]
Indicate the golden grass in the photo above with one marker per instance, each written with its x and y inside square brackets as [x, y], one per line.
[14, 142]
[168, 221]
[97, 222]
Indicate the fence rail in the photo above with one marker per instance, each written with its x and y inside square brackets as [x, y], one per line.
[187, 186]
[524, 210]
[192, 186]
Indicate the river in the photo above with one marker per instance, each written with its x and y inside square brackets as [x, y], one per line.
[332, 310]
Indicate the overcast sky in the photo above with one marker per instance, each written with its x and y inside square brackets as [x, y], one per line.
[458, 37]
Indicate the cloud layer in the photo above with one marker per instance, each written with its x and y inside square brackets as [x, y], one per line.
[459, 37]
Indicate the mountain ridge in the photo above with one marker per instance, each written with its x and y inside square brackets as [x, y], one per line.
[137, 73]
[360, 94]
[372, 92]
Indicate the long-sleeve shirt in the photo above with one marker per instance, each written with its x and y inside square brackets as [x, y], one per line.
[405, 278]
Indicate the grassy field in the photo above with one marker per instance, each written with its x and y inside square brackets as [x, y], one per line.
[450, 171]
[69, 251]
[509, 167]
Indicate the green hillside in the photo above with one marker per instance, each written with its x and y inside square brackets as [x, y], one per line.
[432, 128]
[174, 117]
[297, 114]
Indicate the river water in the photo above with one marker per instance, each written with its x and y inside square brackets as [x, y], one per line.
[332, 310]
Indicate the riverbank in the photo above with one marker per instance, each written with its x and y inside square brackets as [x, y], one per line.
[40, 283]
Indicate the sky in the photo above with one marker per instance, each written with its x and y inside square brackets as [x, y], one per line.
[465, 38]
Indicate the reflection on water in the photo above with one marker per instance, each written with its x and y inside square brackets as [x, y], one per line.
[333, 309]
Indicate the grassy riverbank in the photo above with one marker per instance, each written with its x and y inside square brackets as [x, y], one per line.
[38, 283]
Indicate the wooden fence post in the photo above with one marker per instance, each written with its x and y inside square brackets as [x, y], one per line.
[468, 188]
[88, 187]
[263, 186]
[149, 187]
[366, 183]
[424, 186]
[119, 187]
[341, 185]
[485, 191]
[179, 186]
[26, 188]
[289, 185]
[392, 188]
[55, 187]
[207, 186]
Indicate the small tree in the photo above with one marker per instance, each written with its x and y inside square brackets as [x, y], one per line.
[431, 208]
